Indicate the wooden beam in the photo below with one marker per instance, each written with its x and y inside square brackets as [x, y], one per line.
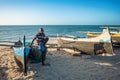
[5, 45]
[8, 41]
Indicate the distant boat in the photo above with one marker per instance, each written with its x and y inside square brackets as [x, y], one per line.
[21, 55]
[114, 34]
[96, 45]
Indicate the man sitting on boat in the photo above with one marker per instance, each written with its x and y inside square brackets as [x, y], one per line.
[41, 41]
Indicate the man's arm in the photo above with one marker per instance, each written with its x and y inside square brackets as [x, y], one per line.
[33, 40]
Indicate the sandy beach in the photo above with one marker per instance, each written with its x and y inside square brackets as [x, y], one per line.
[62, 66]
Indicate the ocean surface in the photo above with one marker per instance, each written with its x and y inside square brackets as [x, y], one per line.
[16, 32]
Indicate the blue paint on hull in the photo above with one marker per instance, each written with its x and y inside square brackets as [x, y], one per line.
[20, 51]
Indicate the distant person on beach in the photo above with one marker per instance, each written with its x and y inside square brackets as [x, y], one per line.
[41, 41]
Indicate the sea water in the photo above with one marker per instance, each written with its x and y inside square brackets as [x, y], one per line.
[16, 32]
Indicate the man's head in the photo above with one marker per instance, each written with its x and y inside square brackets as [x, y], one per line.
[41, 30]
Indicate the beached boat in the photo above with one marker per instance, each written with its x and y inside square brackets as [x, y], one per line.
[24, 54]
[96, 45]
[115, 35]
[21, 55]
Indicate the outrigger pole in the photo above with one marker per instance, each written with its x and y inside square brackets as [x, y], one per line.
[25, 66]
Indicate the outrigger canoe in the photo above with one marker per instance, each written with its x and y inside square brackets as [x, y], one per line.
[24, 54]
[95, 45]
[21, 53]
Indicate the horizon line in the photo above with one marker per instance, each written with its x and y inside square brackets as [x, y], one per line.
[53, 24]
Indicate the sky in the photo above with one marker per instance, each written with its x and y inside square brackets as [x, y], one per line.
[59, 12]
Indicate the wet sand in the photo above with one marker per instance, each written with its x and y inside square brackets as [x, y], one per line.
[62, 66]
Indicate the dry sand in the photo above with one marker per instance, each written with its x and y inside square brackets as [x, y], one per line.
[61, 66]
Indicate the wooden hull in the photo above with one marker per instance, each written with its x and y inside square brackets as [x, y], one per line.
[96, 45]
[88, 47]
[20, 57]
[33, 55]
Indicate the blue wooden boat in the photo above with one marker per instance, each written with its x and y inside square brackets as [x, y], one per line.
[21, 54]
